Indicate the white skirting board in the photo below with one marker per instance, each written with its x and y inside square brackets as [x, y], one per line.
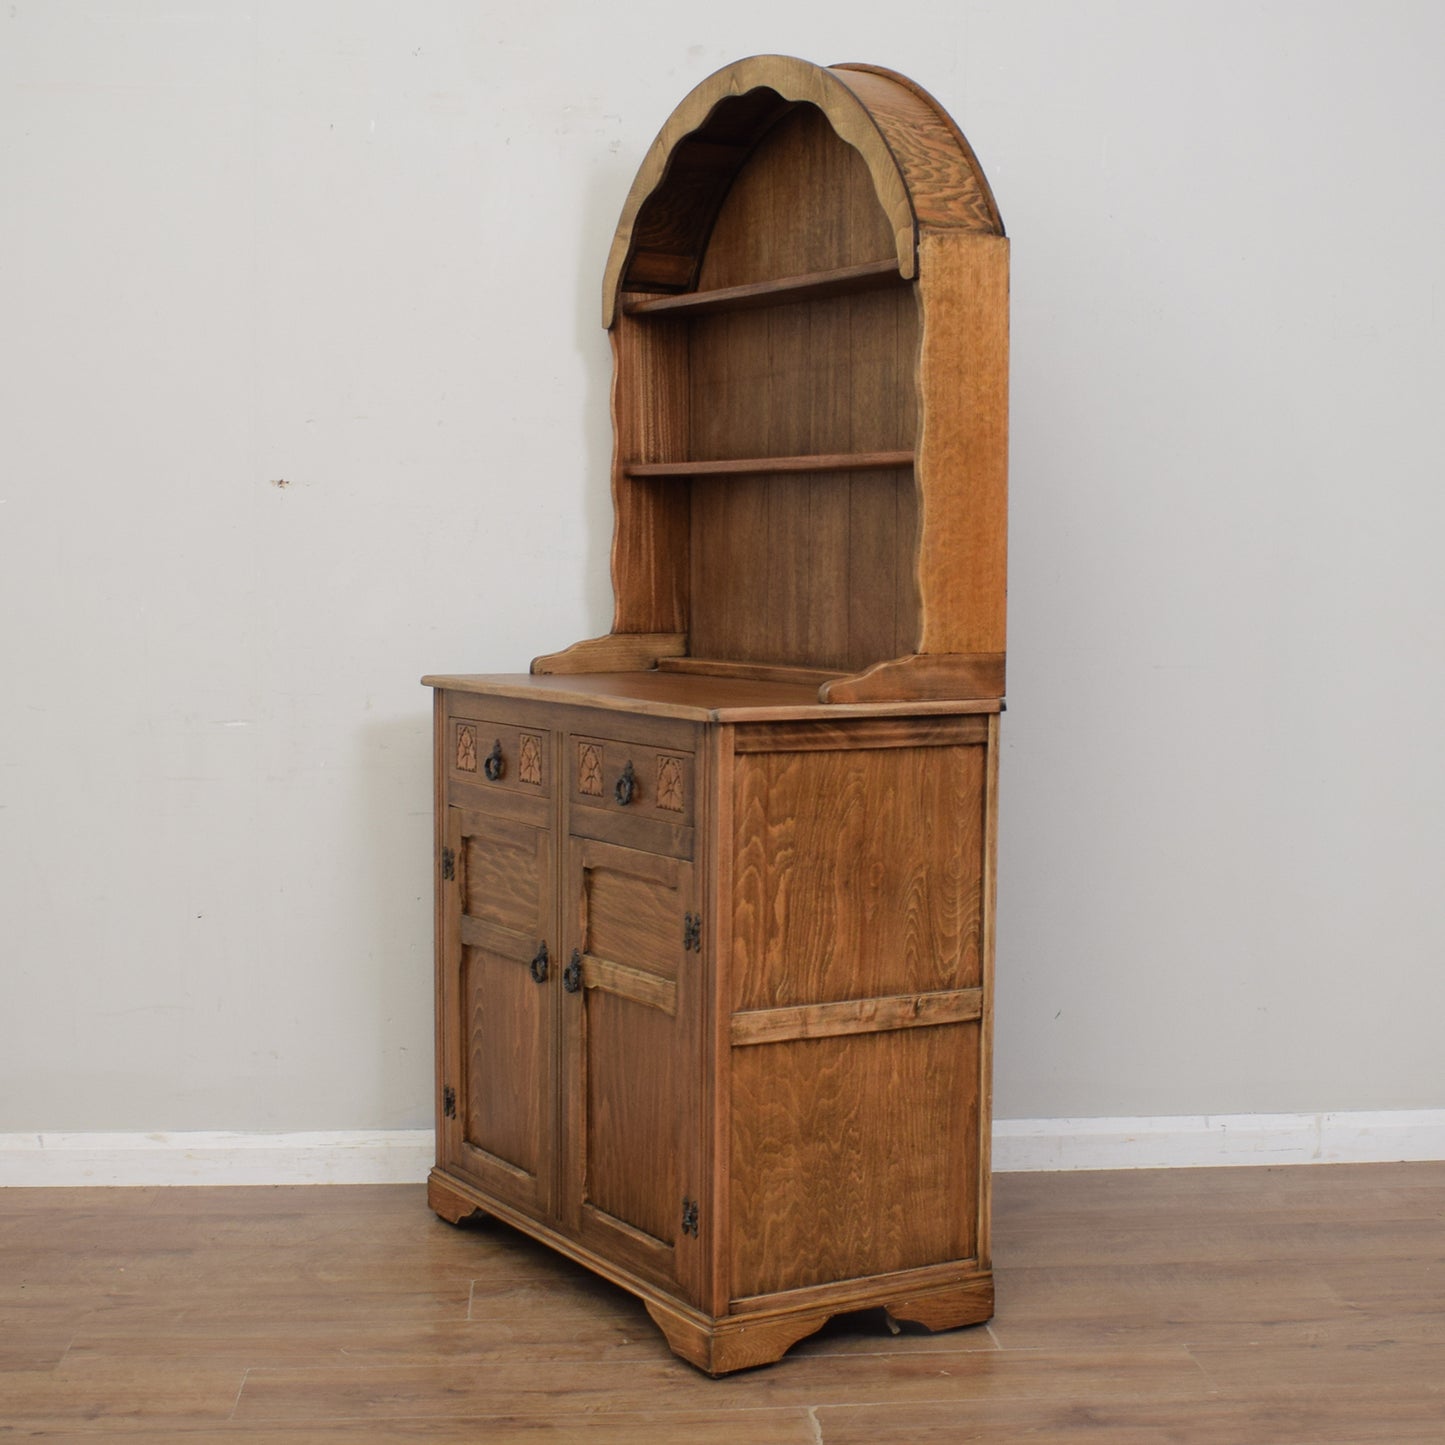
[1201, 1141]
[392, 1156]
[403, 1156]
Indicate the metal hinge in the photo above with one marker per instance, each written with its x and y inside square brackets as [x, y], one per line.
[449, 1102]
[692, 933]
[449, 864]
[689, 1217]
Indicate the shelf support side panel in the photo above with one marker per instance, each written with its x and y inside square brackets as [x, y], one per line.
[962, 463]
[650, 539]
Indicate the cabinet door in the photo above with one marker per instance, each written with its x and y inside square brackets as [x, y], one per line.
[631, 1070]
[499, 1028]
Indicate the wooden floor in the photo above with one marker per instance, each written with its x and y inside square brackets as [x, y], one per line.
[1243, 1307]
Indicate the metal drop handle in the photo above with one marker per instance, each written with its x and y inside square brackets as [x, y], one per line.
[493, 765]
[539, 963]
[626, 785]
[572, 974]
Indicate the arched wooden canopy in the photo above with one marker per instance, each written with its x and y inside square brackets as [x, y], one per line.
[923, 171]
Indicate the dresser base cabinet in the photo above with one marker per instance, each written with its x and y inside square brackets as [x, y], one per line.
[714, 996]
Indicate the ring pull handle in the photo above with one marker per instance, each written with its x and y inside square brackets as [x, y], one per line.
[494, 765]
[626, 785]
[572, 974]
[539, 963]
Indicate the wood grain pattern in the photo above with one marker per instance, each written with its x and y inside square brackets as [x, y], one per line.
[750, 671]
[962, 465]
[778, 593]
[852, 733]
[803, 203]
[504, 869]
[856, 874]
[989, 900]
[663, 698]
[638, 985]
[603, 763]
[617, 652]
[855, 1016]
[748, 466]
[853, 1156]
[631, 905]
[946, 184]
[628, 1060]
[650, 532]
[484, 743]
[939, 675]
[497, 1050]
[632, 1121]
[506, 1054]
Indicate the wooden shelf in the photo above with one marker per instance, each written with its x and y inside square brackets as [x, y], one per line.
[814, 285]
[749, 466]
[749, 671]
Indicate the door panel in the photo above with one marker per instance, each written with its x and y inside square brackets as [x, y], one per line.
[632, 1119]
[506, 1033]
[630, 1065]
[498, 1048]
[632, 910]
[504, 876]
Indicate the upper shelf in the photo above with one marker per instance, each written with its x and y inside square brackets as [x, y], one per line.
[750, 466]
[842, 281]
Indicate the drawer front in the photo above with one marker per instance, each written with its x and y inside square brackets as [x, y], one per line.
[502, 756]
[631, 779]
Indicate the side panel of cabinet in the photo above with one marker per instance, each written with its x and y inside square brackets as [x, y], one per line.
[631, 1061]
[858, 990]
[497, 1006]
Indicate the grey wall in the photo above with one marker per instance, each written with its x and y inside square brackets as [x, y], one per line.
[356, 249]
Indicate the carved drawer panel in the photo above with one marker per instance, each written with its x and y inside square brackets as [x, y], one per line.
[634, 778]
[500, 755]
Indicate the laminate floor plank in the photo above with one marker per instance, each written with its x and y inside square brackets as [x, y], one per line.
[1189, 1303]
[35, 1331]
[532, 1388]
[1263, 1306]
[553, 1335]
[145, 1397]
[1201, 1422]
[1378, 1373]
[743, 1427]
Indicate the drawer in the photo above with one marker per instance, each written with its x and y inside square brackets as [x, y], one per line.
[504, 756]
[634, 779]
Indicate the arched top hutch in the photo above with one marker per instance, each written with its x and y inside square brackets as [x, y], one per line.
[807, 293]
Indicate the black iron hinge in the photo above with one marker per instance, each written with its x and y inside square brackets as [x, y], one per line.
[449, 864]
[689, 1217]
[692, 933]
[449, 1102]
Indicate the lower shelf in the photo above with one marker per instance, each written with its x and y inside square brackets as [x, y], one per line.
[758, 1331]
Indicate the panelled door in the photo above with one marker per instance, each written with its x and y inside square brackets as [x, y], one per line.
[630, 1076]
[499, 1099]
